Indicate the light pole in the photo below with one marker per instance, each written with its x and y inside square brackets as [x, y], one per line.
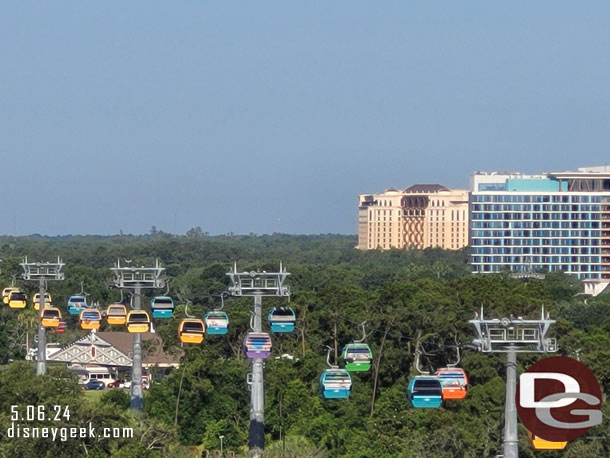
[512, 336]
[257, 284]
[43, 272]
[221, 450]
[138, 278]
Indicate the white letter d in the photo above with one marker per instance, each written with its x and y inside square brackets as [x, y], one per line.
[527, 382]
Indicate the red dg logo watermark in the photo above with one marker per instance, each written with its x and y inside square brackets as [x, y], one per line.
[559, 399]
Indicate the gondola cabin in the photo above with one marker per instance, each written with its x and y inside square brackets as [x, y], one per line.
[76, 304]
[162, 307]
[538, 443]
[357, 356]
[335, 384]
[425, 392]
[6, 292]
[257, 345]
[216, 322]
[36, 300]
[90, 319]
[17, 300]
[281, 319]
[454, 382]
[61, 328]
[116, 314]
[50, 318]
[191, 331]
[138, 321]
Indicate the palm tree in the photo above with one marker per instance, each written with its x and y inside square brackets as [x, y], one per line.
[26, 321]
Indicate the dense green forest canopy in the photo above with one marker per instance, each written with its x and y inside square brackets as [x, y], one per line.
[409, 299]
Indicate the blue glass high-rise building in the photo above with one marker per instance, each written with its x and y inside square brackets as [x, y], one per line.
[552, 221]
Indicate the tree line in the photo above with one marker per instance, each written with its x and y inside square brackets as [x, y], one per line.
[409, 299]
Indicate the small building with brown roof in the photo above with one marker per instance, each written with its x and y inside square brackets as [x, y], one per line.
[152, 348]
[113, 351]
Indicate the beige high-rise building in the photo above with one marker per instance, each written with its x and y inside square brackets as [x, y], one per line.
[421, 216]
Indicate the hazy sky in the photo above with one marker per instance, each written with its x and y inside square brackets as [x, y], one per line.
[260, 116]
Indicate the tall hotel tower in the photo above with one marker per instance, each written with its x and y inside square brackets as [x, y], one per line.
[421, 216]
[554, 221]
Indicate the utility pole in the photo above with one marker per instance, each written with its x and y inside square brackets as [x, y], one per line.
[43, 272]
[136, 279]
[512, 336]
[257, 284]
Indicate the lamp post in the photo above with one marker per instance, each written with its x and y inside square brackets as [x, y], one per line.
[221, 450]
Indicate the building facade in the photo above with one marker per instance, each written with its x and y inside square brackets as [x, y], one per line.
[553, 221]
[421, 216]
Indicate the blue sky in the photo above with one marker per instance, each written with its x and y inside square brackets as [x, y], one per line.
[263, 116]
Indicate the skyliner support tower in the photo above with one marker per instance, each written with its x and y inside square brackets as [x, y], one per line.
[257, 284]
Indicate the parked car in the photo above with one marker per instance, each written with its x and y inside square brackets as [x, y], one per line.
[116, 384]
[95, 385]
[127, 384]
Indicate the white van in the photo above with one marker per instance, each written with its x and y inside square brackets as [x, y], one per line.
[101, 373]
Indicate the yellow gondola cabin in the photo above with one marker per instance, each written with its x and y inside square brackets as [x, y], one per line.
[191, 331]
[116, 314]
[51, 317]
[138, 321]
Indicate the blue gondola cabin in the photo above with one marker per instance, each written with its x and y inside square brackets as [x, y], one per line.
[425, 392]
[162, 307]
[76, 304]
[335, 384]
[216, 322]
[281, 319]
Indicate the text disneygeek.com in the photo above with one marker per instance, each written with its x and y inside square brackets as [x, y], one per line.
[16, 431]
